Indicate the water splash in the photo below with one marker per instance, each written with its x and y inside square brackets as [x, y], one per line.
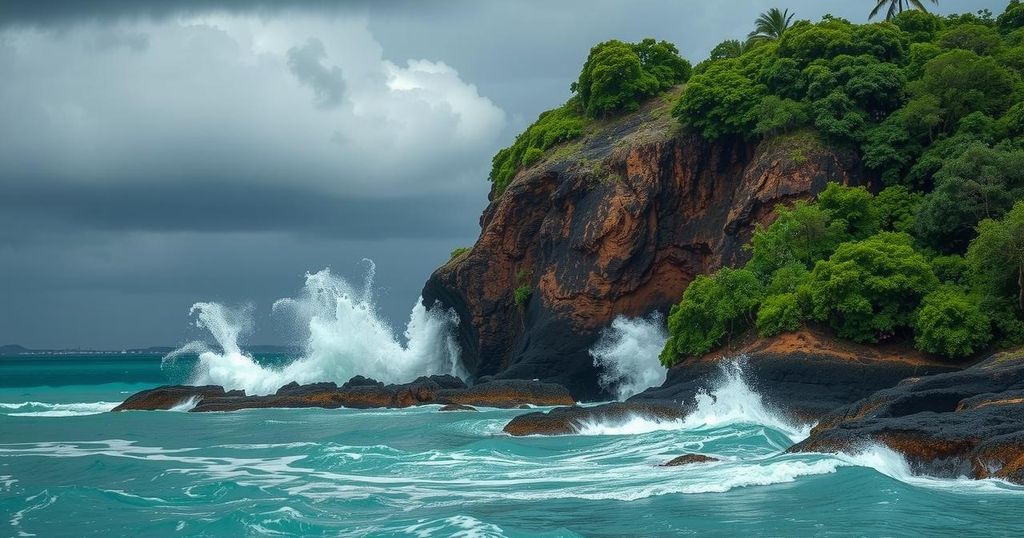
[733, 401]
[346, 337]
[730, 401]
[627, 354]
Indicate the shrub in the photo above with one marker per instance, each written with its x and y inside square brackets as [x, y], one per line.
[869, 289]
[551, 128]
[618, 76]
[459, 252]
[522, 294]
[713, 308]
[779, 314]
[951, 323]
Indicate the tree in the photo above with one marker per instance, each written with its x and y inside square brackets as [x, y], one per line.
[720, 101]
[951, 323]
[613, 79]
[713, 308]
[965, 82]
[801, 234]
[898, 6]
[618, 76]
[852, 208]
[730, 48]
[779, 314]
[868, 290]
[996, 256]
[980, 183]
[771, 25]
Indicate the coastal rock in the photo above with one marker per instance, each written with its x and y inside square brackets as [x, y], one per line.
[458, 407]
[508, 393]
[802, 375]
[966, 423]
[617, 223]
[358, 393]
[169, 396]
[570, 420]
[688, 459]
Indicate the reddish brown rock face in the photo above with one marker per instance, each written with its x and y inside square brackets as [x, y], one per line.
[619, 227]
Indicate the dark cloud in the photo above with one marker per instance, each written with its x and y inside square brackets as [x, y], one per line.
[159, 153]
[226, 207]
[327, 82]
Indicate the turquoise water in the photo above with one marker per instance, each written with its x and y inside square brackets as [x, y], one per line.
[67, 468]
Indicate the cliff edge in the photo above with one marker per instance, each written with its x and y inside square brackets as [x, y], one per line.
[617, 222]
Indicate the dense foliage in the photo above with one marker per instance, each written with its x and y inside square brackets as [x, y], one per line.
[933, 104]
[617, 77]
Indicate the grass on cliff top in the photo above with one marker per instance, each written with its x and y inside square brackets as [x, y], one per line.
[565, 134]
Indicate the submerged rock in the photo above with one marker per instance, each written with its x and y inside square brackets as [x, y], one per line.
[570, 420]
[457, 407]
[966, 423]
[687, 459]
[358, 393]
[170, 396]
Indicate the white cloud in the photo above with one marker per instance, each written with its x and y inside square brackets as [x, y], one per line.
[214, 98]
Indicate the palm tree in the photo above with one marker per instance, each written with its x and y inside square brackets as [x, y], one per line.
[771, 25]
[897, 6]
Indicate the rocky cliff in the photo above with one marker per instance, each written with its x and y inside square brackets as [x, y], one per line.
[615, 223]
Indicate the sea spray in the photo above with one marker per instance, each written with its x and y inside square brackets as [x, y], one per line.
[731, 400]
[627, 354]
[345, 337]
[734, 401]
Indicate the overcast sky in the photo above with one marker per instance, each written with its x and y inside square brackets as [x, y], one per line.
[160, 153]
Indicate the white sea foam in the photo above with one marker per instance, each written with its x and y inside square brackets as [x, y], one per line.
[45, 409]
[892, 464]
[346, 337]
[627, 354]
[186, 405]
[733, 401]
[730, 401]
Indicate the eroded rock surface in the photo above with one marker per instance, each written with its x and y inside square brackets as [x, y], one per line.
[801, 377]
[966, 423]
[571, 420]
[615, 224]
[358, 393]
[689, 459]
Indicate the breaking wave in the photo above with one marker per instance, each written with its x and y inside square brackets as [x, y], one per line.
[45, 409]
[346, 337]
[627, 354]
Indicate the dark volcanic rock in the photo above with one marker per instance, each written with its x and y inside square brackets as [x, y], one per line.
[619, 226]
[804, 375]
[358, 393]
[457, 407]
[569, 420]
[360, 381]
[169, 396]
[508, 393]
[687, 459]
[966, 423]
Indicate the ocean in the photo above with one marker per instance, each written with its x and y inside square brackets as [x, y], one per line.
[70, 468]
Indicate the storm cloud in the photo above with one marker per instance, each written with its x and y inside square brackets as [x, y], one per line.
[160, 153]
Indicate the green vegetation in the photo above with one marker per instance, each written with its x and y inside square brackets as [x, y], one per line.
[933, 104]
[714, 309]
[459, 252]
[617, 77]
[552, 127]
[896, 7]
[522, 294]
